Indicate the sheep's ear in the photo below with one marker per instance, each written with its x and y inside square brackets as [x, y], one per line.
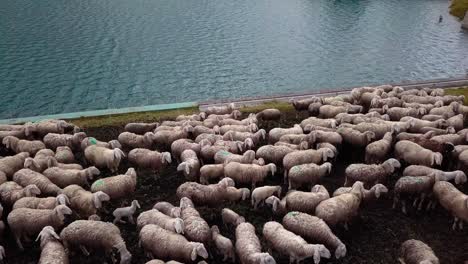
[6, 142]
[181, 166]
[40, 235]
[167, 157]
[317, 256]
[245, 194]
[187, 169]
[275, 205]
[179, 226]
[324, 252]
[194, 254]
[239, 146]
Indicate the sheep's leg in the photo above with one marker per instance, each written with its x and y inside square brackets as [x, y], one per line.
[291, 259]
[117, 219]
[401, 261]
[285, 175]
[225, 257]
[18, 242]
[454, 226]
[346, 226]
[403, 206]
[395, 202]
[415, 202]
[423, 196]
[429, 204]
[84, 250]
[460, 224]
[131, 220]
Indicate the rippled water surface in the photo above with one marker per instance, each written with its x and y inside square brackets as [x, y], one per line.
[65, 56]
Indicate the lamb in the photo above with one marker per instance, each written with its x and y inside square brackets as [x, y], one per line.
[52, 251]
[26, 177]
[306, 156]
[453, 201]
[96, 235]
[417, 252]
[84, 203]
[102, 157]
[224, 156]
[356, 138]
[296, 247]
[53, 141]
[196, 228]
[10, 192]
[220, 110]
[155, 217]
[248, 246]
[413, 185]
[275, 134]
[128, 212]
[167, 209]
[211, 172]
[417, 170]
[223, 244]
[131, 140]
[370, 174]
[41, 203]
[378, 150]
[89, 141]
[64, 154]
[248, 173]
[147, 159]
[174, 246]
[273, 154]
[166, 137]
[190, 164]
[26, 222]
[341, 208]
[21, 145]
[269, 114]
[313, 228]
[367, 195]
[308, 174]
[117, 186]
[178, 146]
[205, 194]
[239, 128]
[242, 136]
[10, 165]
[230, 217]
[412, 153]
[414, 136]
[62, 178]
[140, 128]
[299, 201]
[259, 194]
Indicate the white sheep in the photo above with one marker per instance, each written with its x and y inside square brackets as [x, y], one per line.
[198, 117]
[275, 134]
[41, 203]
[418, 170]
[306, 156]
[375, 192]
[420, 186]
[224, 156]
[117, 186]
[273, 154]
[286, 242]
[205, 194]
[308, 174]
[231, 218]
[239, 128]
[127, 212]
[210, 172]
[166, 137]
[62, 178]
[178, 146]
[45, 127]
[132, 140]
[89, 141]
[53, 140]
[167, 209]
[235, 114]
[26, 222]
[315, 121]
[27, 177]
[11, 164]
[341, 208]
[248, 173]
[259, 194]
[413, 153]
[140, 128]
[174, 246]
[83, 202]
[269, 114]
[212, 138]
[355, 137]
[52, 251]
[102, 157]
[314, 229]
[248, 246]
[453, 201]
[10, 192]
[196, 228]
[190, 164]
[417, 252]
[148, 159]
[223, 244]
[40, 162]
[324, 136]
[299, 201]
[377, 151]
[370, 174]
[21, 145]
[64, 154]
[155, 217]
[96, 235]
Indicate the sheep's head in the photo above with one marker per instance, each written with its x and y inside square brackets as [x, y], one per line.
[455, 106]
[78, 137]
[379, 189]
[61, 211]
[214, 230]
[47, 233]
[245, 193]
[118, 154]
[91, 172]
[149, 138]
[460, 177]
[185, 167]
[318, 188]
[166, 158]
[175, 212]
[51, 162]
[31, 191]
[204, 142]
[94, 217]
[136, 204]
[272, 168]
[185, 202]
[327, 153]
[369, 135]
[115, 144]
[253, 127]
[125, 255]
[31, 164]
[179, 226]
[320, 251]
[62, 199]
[217, 130]
[340, 251]
[99, 197]
[236, 114]
[303, 145]
[8, 140]
[264, 258]
[448, 147]
[358, 188]
[273, 201]
[227, 182]
[375, 102]
[436, 158]
[131, 172]
[259, 161]
[202, 115]
[249, 156]
[327, 166]
[198, 249]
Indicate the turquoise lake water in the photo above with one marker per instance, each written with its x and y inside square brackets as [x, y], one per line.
[61, 56]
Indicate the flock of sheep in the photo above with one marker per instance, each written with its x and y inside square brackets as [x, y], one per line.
[224, 159]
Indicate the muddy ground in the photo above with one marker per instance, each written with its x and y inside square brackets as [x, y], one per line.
[374, 237]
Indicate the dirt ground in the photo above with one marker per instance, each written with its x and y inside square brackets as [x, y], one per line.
[374, 237]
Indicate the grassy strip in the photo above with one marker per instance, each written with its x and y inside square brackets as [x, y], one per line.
[458, 8]
[458, 91]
